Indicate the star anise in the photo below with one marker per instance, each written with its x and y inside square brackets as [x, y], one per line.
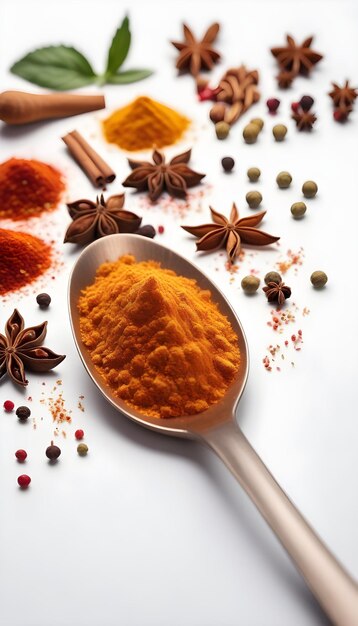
[294, 60]
[174, 177]
[343, 96]
[194, 54]
[304, 119]
[277, 292]
[230, 233]
[21, 347]
[92, 220]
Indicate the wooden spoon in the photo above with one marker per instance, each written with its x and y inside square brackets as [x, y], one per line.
[19, 107]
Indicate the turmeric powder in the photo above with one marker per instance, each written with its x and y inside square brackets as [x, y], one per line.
[144, 124]
[157, 339]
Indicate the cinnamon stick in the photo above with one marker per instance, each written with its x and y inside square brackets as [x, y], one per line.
[97, 170]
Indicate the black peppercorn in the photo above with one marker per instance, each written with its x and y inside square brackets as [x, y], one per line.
[146, 231]
[23, 413]
[53, 452]
[306, 103]
[43, 300]
[227, 163]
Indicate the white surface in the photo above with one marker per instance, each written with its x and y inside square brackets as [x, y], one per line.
[153, 531]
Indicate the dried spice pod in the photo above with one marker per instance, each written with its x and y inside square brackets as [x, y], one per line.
[197, 54]
[238, 89]
[277, 292]
[343, 100]
[92, 220]
[22, 348]
[295, 59]
[230, 233]
[304, 119]
[174, 177]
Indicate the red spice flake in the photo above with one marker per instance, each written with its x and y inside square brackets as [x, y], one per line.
[57, 408]
[292, 259]
[178, 206]
[267, 365]
[281, 318]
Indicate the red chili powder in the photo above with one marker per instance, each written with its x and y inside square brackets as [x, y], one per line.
[28, 188]
[23, 258]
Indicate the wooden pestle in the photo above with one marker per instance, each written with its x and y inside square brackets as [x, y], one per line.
[18, 107]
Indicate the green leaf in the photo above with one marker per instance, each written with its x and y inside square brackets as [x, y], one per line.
[119, 47]
[130, 76]
[55, 67]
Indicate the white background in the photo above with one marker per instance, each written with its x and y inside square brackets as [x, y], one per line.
[147, 530]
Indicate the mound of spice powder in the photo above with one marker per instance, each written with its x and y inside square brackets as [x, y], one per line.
[23, 258]
[144, 124]
[157, 339]
[28, 188]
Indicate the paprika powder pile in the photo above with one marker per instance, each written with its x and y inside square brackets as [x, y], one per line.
[23, 258]
[28, 188]
[158, 340]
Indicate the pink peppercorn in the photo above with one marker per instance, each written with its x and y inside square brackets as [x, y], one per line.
[24, 480]
[160, 230]
[295, 106]
[79, 434]
[9, 406]
[21, 455]
[273, 104]
[340, 116]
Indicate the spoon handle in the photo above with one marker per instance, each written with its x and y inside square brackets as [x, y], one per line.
[330, 583]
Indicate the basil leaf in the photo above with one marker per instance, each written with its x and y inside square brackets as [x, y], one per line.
[129, 76]
[55, 67]
[119, 47]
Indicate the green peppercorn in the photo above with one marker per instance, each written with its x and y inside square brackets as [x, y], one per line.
[253, 174]
[82, 449]
[309, 189]
[298, 209]
[250, 284]
[253, 199]
[319, 279]
[222, 130]
[259, 122]
[279, 132]
[284, 179]
[227, 163]
[250, 133]
[272, 277]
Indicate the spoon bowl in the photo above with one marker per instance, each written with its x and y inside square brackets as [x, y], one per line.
[216, 427]
[110, 249]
